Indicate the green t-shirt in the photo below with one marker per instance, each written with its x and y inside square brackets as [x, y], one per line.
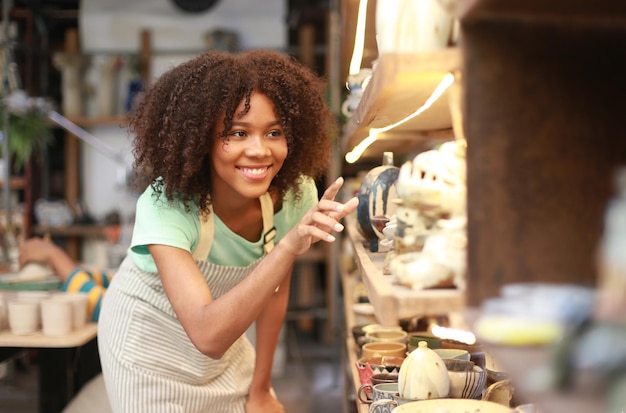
[167, 223]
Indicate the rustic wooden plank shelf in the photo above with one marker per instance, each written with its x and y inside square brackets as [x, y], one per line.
[401, 84]
[393, 302]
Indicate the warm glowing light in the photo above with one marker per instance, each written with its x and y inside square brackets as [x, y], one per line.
[355, 154]
[359, 39]
[358, 150]
[447, 333]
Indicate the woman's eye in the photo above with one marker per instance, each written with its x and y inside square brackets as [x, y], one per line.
[275, 133]
[238, 134]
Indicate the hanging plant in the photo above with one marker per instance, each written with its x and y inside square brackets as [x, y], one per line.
[29, 128]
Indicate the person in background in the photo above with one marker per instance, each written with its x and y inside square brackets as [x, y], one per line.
[75, 278]
[231, 145]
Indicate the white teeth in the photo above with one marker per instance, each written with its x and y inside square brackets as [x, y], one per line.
[256, 171]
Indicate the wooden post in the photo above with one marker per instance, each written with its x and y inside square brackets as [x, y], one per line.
[306, 43]
[72, 156]
[145, 57]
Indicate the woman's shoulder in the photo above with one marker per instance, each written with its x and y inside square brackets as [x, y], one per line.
[154, 209]
[308, 195]
[295, 207]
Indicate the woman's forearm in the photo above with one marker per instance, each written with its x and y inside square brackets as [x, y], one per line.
[268, 327]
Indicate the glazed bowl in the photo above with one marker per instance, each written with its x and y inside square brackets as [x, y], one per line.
[452, 406]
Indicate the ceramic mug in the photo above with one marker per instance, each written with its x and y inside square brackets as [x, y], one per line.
[389, 405]
[369, 393]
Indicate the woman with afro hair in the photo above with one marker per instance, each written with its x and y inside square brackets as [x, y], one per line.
[231, 145]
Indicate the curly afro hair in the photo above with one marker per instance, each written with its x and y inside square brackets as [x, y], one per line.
[175, 119]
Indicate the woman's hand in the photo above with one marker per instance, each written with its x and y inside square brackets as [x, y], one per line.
[320, 221]
[263, 402]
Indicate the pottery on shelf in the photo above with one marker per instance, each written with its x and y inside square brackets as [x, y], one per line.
[375, 195]
[423, 375]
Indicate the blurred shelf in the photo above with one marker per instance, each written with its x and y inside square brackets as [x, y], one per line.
[69, 231]
[352, 349]
[16, 182]
[401, 84]
[87, 122]
[393, 302]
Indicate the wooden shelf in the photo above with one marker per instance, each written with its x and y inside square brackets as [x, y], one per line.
[401, 84]
[393, 302]
[87, 122]
[16, 182]
[352, 356]
[70, 231]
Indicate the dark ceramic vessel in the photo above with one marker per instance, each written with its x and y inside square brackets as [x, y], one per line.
[374, 202]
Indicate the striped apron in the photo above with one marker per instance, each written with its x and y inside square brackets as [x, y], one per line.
[149, 363]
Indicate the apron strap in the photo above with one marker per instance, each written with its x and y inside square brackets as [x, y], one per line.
[207, 229]
[269, 230]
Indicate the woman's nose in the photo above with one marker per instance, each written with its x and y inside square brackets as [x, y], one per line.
[257, 146]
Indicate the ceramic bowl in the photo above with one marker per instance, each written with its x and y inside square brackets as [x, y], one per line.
[381, 378]
[369, 328]
[452, 406]
[467, 384]
[382, 349]
[472, 348]
[398, 336]
[431, 340]
[382, 364]
[452, 353]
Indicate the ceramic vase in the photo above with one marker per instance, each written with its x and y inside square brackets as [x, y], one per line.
[375, 195]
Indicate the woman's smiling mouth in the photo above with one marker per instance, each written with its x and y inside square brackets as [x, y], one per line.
[254, 173]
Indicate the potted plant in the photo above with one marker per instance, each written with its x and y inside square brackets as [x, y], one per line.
[28, 127]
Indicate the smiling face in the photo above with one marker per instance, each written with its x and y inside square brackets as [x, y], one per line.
[254, 151]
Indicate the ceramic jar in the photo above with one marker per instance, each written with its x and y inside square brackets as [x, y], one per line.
[423, 375]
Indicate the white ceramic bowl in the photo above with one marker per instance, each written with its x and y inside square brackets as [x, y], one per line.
[452, 406]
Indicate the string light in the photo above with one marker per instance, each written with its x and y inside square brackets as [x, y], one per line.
[358, 150]
[359, 39]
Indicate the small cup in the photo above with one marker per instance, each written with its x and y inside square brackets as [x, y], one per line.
[24, 316]
[79, 303]
[56, 317]
[381, 349]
